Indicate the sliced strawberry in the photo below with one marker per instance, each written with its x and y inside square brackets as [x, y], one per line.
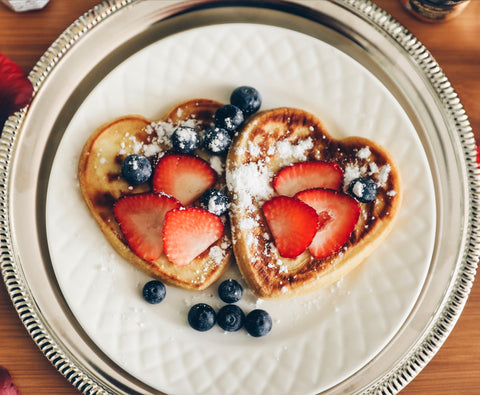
[188, 232]
[293, 224]
[184, 177]
[141, 219]
[307, 175]
[338, 214]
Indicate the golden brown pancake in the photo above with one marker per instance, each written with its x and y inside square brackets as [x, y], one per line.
[272, 140]
[102, 184]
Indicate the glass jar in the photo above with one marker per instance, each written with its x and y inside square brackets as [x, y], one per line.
[25, 5]
[435, 10]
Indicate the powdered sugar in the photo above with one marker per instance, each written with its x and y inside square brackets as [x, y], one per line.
[358, 188]
[217, 164]
[247, 223]
[217, 254]
[290, 152]
[286, 150]
[162, 136]
[250, 185]
[351, 172]
[363, 153]
[354, 170]
[383, 175]
[253, 149]
[373, 168]
[250, 182]
[135, 146]
[391, 193]
[252, 241]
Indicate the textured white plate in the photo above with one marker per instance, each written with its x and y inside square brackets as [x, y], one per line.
[317, 340]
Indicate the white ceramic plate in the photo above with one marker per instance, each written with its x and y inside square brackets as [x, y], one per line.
[317, 340]
[348, 62]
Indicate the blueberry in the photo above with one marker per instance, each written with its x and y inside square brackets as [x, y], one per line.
[363, 189]
[230, 318]
[230, 291]
[247, 99]
[154, 291]
[258, 323]
[215, 201]
[229, 117]
[185, 140]
[201, 317]
[136, 169]
[217, 140]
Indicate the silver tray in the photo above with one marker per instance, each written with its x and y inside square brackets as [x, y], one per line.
[102, 38]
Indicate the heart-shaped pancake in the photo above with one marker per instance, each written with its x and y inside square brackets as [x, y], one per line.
[102, 185]
[273, 140]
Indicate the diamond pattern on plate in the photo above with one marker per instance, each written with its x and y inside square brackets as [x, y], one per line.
[318, 339]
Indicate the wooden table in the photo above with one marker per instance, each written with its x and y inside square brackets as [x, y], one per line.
[455, 45]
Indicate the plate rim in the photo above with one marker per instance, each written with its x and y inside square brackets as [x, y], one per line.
[455, 299]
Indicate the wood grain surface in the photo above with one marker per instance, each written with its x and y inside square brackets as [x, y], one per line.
[454, 44]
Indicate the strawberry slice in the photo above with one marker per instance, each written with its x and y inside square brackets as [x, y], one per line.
[188, 232]
[293, 224]
[183, 177]
[338, 214]
[307, 175]
[141, 219]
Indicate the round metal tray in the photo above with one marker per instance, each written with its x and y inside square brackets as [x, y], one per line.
[102, 38]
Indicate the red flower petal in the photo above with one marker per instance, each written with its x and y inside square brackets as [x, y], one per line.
[16, 89]
[6, 384]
